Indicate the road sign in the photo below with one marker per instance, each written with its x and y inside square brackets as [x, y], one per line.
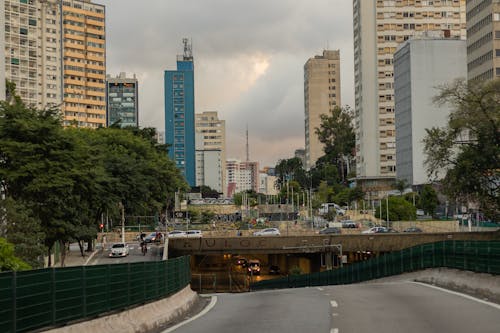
[180, 215]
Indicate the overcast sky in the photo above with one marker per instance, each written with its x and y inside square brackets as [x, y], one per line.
[249, 58]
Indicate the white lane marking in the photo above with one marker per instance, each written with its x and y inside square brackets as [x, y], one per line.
[320, 289]
[205, 310]
[335, 314]
[334, 304]
[497, 306]
[334, 330]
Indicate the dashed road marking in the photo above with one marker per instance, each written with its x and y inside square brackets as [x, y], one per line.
[334, 330]
[334, 304]
[320, 289]
[335, 314]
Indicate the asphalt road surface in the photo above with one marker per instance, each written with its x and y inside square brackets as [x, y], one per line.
[386, 307]
[135, 255]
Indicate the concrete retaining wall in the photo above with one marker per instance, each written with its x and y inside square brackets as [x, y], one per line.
[140, 319]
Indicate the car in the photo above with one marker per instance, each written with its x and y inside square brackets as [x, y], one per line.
[329, 230]
[349, 224]
[240, 261]
[413, 229]
[375, 230]
[194, 234]
[119, 250]
[274, 269]
[267, 232]
[253, 267]
[176, 234]
[151, 238]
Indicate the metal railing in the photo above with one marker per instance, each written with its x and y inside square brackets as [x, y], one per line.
[48, 297]
[476, 256]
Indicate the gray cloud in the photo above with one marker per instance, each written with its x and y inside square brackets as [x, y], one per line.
[249, 58]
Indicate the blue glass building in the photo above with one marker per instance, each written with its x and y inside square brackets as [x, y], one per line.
[179, 114]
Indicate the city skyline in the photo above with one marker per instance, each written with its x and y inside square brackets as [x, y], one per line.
[249, 62]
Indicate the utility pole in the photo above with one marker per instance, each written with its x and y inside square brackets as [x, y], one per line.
[122, 208]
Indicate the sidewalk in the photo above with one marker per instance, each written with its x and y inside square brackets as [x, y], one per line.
[74, 257]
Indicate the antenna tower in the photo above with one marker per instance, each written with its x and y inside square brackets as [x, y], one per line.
[188, 48]
[248, 148]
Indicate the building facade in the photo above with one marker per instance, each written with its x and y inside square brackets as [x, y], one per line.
[122, 100]
[211, 136]
[420, 66]
[483, 39]
[179, 114]
[379, 27]
[241, 176]
[321, 94]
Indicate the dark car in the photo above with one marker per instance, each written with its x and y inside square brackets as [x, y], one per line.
[413, 229]
[274, 269]
[349, 224]
[329, 230]
[240, 261]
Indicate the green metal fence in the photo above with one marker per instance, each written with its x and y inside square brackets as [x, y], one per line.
[476, 256]
[52, 296]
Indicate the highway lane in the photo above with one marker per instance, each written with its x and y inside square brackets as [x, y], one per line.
[389, 307]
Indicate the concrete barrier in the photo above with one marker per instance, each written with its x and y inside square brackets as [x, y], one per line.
[151, 316]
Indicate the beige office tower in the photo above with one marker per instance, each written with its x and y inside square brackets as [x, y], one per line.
[379, 27]
[84, 64]
[321, 94]
[212, 132]
[32, 50]
[483, 39]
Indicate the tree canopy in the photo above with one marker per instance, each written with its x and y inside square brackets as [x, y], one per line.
[468, 147]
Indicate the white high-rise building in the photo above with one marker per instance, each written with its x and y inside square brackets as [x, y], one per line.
[379, 27]
[420, 66]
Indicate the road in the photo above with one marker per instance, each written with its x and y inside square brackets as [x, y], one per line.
[390, 307]
[154, 253]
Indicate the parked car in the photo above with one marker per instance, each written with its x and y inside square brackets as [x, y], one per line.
[349, 224]
[119, 250]
[413, 229]
[253, 267]
[375, 230]
[274, 269]
[176, 234]
[267, 232]
[194, 233]
[329, 230]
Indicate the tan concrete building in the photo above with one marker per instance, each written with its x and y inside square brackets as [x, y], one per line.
[210, 134]
[483, 39]
[379, 27]
[321, 94]
[84, 63]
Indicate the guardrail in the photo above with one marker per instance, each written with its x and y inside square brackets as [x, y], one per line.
[34, 299]
[476, 256]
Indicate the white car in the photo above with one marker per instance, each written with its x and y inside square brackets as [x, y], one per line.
[267, 232]
[194, 234]
[376, 230]
[119, 250]
[176, 234]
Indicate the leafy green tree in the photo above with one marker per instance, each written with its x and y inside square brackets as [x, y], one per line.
[206, 191]
[468, 148]
[428, 199]
[22, 230]
[399, 210]
[401, 185]
[8, 260]
[336, 132]
[289, 169]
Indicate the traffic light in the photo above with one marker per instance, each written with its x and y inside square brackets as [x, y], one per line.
[101, 226]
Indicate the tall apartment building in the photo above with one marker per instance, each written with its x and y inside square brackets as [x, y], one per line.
[379, 27]
[421, 65]
[84, 46]
[55, 54]
[321, 94]
[122, 100]
[483, 39]
[211, 136]
[179, 114]
[241, 176]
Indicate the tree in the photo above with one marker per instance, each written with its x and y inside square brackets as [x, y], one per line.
[8, 260]
[468, 147]
[428, 199]
[401, 185]
[399, 210]
[289, 169]
[336, 133]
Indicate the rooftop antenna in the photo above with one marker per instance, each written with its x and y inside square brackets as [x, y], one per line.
[248, 149]
[188, 49]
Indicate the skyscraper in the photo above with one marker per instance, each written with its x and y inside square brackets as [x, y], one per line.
[379, 27]
[321, 94]
[179, 114]
[122, 100]
[211, 150]
[483, 39]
